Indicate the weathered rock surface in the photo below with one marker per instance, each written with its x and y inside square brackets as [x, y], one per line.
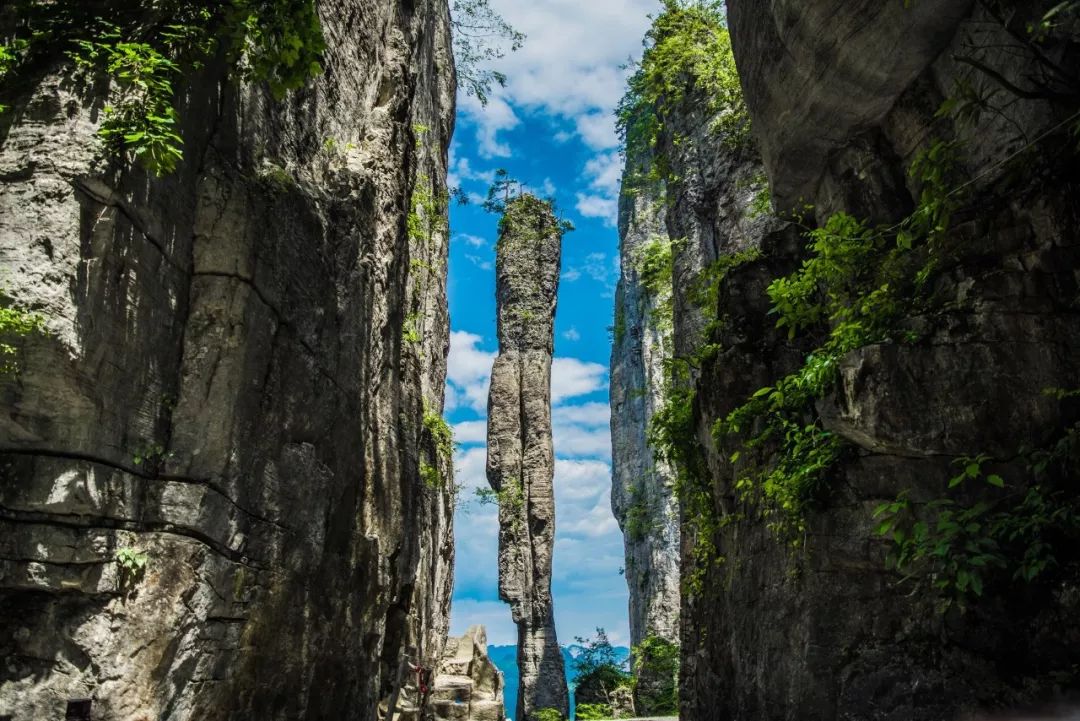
[521, 460]
[642, 492]
[468, 686]
[225, 388]
[843, 95]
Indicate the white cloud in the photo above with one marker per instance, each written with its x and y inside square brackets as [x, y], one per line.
[580, 480]
[590, 414]
[571, 377]
[581, 442]
[582, 431]
[571, 334]
[474, 240]
[572, 65]
[479, 262]
[597, 130]
[470, 469]
[597, 206]
[604, 173]
[471, 431]
[468, 372]
[571, 275]
[497, 116]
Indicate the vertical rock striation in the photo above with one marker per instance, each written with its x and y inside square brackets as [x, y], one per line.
[520, 463]
[239, 362]
[642, 489]
[843, 97]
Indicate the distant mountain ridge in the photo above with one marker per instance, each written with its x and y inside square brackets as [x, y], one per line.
[505, 658]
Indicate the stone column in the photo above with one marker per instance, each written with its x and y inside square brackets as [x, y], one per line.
[521, 460]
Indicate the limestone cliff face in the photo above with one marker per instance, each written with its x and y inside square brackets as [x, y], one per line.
[228, 386]
[642, 493]
[521, 459]
[843, 97]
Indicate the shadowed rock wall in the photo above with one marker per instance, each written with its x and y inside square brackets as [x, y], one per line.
[226, 388]
[521, 460]
[843, 97]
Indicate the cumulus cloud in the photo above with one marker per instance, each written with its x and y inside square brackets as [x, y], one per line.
[604, 175]
[468, 372]
[571, 377]
[571, 334]
[591, 414]
[572, 66]
[470, 432]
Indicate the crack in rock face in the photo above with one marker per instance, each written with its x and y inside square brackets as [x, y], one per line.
[521, 459]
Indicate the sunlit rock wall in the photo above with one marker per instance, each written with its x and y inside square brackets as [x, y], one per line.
[226, 387]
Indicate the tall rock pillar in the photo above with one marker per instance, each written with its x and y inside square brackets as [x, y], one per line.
[521, 460]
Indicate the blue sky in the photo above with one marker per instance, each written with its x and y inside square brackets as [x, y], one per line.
[552, 128]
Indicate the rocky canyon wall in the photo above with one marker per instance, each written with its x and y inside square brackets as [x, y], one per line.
[642, 489]
[521, 458]
[238, 383]
[934, 435]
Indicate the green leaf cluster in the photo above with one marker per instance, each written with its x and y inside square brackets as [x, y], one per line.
[480, 35]
[688, 50]
[852, 290]
[958, 548]
[15, 324]
[132, 565]
[593, 711]
[145, 53]
[658, 658]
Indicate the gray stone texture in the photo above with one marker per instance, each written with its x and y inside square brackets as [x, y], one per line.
[642, 488]
[843, 96]
[521, 460]
[468, 686]
[225, 387]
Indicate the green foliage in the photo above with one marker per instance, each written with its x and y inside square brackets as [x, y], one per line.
[476, 30]
[15, 324]
[511, 497]
[427, 212]
[132, 565]
[410, 329]
[958, 548]
[672, 435]
[655, 262]
[150, 453]
[593, 711]
[440, 437]
[547, 714]
[146, 52]
[657, 658]
[598, 669]
[597, 655]
[640, 520]
[688, 50]
[525, 217]
[855, 285]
